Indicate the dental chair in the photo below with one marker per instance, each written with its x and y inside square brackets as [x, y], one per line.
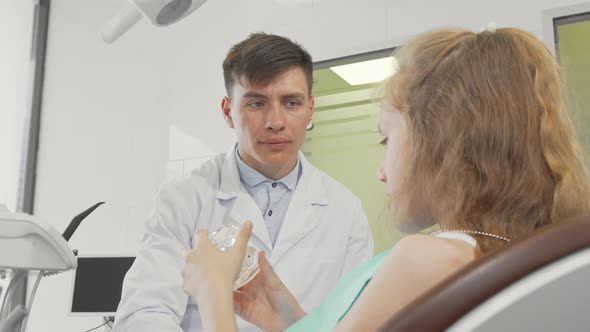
[540, 283]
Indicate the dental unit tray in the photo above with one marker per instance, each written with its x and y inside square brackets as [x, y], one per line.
[29, 244]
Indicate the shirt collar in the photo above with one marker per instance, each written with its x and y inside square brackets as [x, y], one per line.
[252, 177]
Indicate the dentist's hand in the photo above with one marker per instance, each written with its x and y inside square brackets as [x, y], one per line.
[266, 302]
[210, 272]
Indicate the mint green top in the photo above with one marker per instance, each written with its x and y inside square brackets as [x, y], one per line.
[337, 303]
[349, 287]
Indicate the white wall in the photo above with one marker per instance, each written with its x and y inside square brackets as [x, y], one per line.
[16, 23]
[119, 119]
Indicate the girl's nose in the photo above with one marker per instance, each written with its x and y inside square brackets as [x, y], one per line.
[381, 174]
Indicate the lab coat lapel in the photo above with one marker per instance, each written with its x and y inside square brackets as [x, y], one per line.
[243, 208]
[300, 218]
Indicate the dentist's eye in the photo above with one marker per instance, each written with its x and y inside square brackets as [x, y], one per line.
[292, 103]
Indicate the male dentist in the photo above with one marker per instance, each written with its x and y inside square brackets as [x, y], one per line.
[310, 226]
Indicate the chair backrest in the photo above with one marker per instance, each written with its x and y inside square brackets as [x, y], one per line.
[539, 283]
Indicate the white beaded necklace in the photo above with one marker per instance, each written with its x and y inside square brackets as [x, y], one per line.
[466, 231]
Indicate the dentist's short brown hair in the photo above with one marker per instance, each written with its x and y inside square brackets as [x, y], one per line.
[261, 58]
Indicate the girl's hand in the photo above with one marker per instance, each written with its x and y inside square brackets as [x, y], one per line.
[266, 302]
[210, 272]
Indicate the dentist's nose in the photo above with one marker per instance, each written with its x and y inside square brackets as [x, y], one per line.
[276, 118]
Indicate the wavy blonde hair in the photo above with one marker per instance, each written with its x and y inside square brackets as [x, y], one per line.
[491, 147]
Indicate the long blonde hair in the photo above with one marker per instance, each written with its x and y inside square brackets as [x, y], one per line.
[491, 146]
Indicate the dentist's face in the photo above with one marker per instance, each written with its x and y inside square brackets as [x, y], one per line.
[270, 121]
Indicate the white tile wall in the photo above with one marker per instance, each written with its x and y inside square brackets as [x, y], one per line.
[119, 119]
[189, 164]
[16, 19]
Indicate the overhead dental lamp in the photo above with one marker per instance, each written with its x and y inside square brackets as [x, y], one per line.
[158, 12]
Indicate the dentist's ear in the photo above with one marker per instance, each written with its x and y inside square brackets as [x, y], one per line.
[226, 109]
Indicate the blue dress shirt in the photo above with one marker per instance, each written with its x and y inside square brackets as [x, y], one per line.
[272, 197]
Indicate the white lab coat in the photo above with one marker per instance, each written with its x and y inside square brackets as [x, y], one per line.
[324, 234]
